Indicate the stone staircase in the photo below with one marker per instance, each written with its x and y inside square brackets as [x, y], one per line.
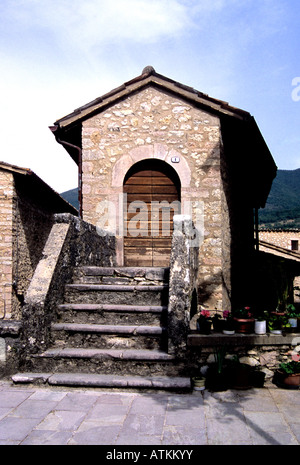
[111, 332]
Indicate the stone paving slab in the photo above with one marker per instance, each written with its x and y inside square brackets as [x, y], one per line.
[43, 415]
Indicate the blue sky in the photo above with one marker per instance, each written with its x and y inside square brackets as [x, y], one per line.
[57, 55]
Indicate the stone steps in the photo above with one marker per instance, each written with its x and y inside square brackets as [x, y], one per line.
[111, 331]
[116, 294]
[135, 362]
[116, 314]
[108, 336]
[104, 381]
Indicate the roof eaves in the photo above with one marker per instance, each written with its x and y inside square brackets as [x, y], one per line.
[14, 168]
[142, 81]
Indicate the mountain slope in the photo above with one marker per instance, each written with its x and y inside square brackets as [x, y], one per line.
[283, 205]
[71, 196]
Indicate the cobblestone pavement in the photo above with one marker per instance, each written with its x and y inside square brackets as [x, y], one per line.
[59, 416]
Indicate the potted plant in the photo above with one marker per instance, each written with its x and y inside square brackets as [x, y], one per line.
[292, 316]
[280, 309]
[244, 321]
[204, 322]
[216, 376]
[239, 374]
[275, 324]
[288, 374]
[260, 325]
[228, 327]
[198, 383]
[218, 322]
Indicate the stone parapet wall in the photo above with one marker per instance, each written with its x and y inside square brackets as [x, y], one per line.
[71, 242]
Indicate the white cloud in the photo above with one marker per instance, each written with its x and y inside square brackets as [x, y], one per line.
[93, 22]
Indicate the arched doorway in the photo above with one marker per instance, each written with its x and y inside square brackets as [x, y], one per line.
[151, 198]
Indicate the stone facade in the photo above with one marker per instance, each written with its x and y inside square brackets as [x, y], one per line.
[6, 240]
[152, 124]
[204, 140]
[287, 239]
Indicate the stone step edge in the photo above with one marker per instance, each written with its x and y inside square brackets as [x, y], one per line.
[107, 354]
[129, 271]
[109, 329]
[117, 287]
[114, 308]
[103, 381]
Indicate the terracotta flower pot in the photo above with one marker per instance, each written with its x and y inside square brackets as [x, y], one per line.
[244, 325]
[289, 380]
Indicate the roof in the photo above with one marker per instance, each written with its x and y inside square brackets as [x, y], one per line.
[149, 76]
[41, 192]
[280, 251]
[238, 127]
[279, 230]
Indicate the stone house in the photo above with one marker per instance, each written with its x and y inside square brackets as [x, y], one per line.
[288, 239]
[154, 139]
[285, 245]
[170, 183]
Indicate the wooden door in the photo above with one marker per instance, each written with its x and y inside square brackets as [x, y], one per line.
[152, 197]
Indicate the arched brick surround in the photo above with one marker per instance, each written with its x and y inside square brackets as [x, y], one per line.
[161, 152]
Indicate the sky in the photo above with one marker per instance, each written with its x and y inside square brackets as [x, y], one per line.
[57, 55]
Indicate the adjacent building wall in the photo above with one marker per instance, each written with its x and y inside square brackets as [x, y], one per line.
[6, 240]
[282, 238]
[27, 206]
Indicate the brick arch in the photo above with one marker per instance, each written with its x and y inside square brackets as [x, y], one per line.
[128, 160]
[158, 151]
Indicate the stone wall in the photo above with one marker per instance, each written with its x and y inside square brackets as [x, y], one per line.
[71, 242]
[281, 238]
[27, 206]
[263, 352]
[6, 239]
[152, 124]
[31, 228]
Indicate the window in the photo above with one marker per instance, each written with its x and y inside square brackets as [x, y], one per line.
[295, 245]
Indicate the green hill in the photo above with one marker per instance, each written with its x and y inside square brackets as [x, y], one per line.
[282, 209]
[71, 196]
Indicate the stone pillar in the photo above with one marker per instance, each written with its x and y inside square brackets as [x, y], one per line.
[183, 282]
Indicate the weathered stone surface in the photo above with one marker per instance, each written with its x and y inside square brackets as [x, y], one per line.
[183, 284]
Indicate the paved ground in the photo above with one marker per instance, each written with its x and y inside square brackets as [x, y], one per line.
[57, 416]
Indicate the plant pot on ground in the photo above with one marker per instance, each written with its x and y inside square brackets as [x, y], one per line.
[239, 375]
[198, 383]
[288, 375]
[257, 378]
[216, 376]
